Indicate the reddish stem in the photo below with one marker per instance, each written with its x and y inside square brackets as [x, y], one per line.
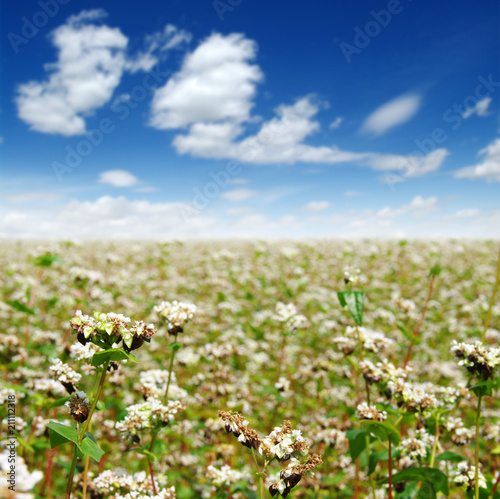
[152, 477]
[422, 317]
[495, 486]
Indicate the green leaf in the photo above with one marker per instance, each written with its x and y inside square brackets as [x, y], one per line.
[357, 442]
[496, 450]
[146, 452]
[436, 477]
[383, 431]
[176, 345]
[485, 388]
[46, 260]
[60, 434]
[354, 300]
[410, 336]
[57, 403]
[375, 457]
[90, 447]
[435, 271]
[20, 306]
[451, 456]
[112, 354]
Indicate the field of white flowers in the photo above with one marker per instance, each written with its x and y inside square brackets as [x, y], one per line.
[250, 370]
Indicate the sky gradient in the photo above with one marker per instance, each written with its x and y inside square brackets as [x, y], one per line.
[239, 118]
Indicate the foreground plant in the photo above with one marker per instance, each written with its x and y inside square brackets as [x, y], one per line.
[116, 339]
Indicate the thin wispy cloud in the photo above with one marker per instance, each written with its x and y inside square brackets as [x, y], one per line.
[392, 114]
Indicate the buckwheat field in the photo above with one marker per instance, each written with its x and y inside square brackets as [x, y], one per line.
[250, 370]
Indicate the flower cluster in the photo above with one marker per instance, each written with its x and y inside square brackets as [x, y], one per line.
[176, 315]
[68, 377]
[79, 407]
[224, 476]
[413, 398]
[293, 473]
[289, 316]
[478, 359]
[417, 445]
[118, 484]
[236, 424]
[365, 411]
[283, 443]
[374, 341]
[150, 414]
[351, 276]
[104, 330]
[465, 475]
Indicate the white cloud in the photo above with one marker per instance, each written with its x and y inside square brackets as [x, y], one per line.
[118, 178]
[488, 169]
[393, 113]
[160, 42]
[239, 181]
[408, 166]
[351, 194]
[419, 206]
[238, 195]
[336, 123]
[32, 196]
[480, 109]
[89, 67]
[316, 206]
[106, 218]
[216, 82]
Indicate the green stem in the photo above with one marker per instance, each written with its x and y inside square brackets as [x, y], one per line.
[261, 481]
[96, 399]
[169, 374]
[492, 301]
[71, 475]
[478, 421]
[436, 439]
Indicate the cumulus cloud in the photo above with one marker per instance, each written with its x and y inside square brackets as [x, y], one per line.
[216, 83]
[316, 206]
[89, 67]
[391, 114]
[118, 178]
[488, 169]
[480, 109]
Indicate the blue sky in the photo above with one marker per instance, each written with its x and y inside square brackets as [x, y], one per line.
[239, 118]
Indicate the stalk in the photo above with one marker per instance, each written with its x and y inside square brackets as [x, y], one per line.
[478, 420]
[155, 434]
[422, 317]
[434, 447]
[492, 301]
[86, 427]
[71, 474]
[390, 469]
[261, 480]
